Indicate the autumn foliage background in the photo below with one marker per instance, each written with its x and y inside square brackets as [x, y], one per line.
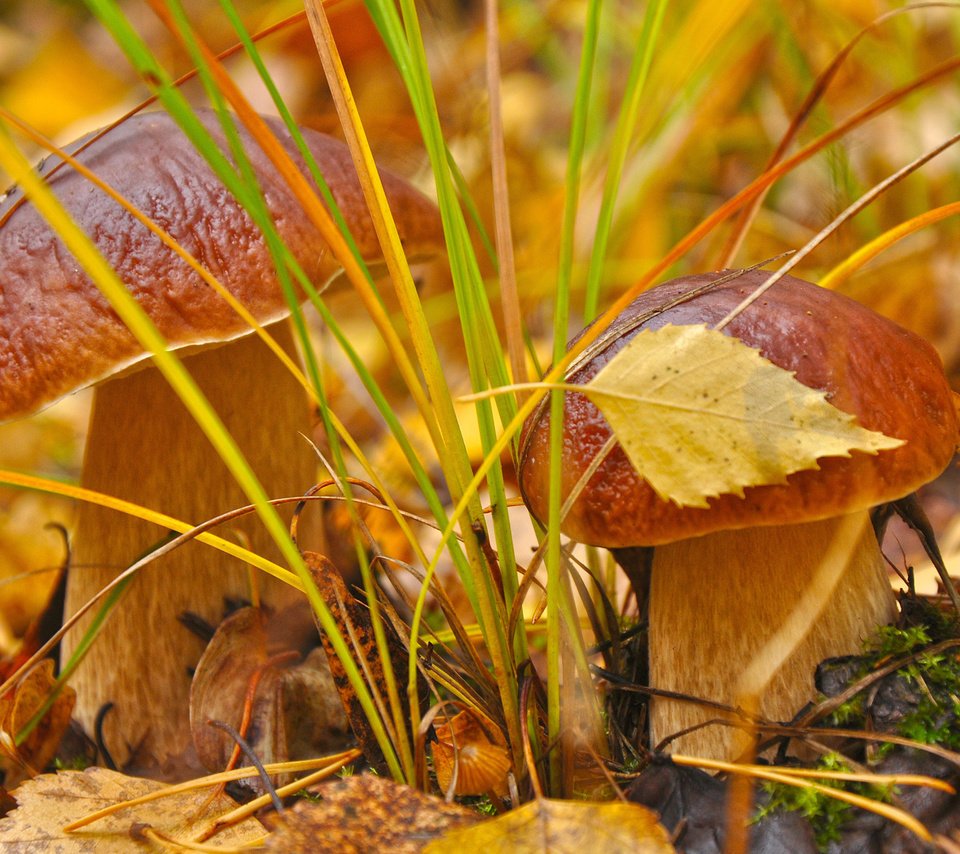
[726, 80]
[724, 84]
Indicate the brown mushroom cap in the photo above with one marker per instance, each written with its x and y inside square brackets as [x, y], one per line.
[887, 377]
[59, 334]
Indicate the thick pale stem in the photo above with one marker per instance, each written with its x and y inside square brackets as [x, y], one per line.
[715, 603]
[144, 446]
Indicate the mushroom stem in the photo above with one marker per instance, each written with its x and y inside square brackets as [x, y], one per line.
[144, 446]
[753, 579]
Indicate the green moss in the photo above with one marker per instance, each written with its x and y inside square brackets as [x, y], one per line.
[936, 677]
[849, 714]
[893, 641]
[75, 763]
[826, 814]
[931, 711]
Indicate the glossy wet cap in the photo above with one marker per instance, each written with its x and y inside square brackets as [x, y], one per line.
[868, 366]
[58, 333]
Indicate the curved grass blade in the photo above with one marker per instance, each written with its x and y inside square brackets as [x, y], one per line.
[843, 271]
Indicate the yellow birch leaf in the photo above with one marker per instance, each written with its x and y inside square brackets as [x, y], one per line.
[561, 827]
[46, 804]
[701, 414]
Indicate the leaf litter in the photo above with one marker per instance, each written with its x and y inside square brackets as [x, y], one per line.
[51, 801]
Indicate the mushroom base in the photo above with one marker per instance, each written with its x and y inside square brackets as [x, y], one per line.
[717, 602]
[143, 446]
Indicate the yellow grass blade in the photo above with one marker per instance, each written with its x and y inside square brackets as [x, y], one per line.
[78, 493]
[839, 274]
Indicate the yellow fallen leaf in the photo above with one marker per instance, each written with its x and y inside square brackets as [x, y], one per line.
[562, 827]
[49, 802]
[701, 414]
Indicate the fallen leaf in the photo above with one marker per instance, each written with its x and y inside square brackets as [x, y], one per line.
[367, 813]
[701, 414]
[16, 710]
[49, 802]
[295, 710]
[353, 618]
[562, 827]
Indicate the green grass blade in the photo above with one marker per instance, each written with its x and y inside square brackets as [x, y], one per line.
[556, 601]
[405, 44]
[619, 148]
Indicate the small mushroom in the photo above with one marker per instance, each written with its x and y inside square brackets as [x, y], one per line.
[469, 747]
[724, 578]
[58, 334]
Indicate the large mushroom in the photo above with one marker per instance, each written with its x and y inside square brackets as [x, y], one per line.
[58, 334]
[725, 578]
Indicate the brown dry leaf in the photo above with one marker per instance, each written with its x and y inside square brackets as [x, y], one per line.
[354, 619]
[51, 801]
[296, 712]
[562, 827]
[474, 742]
[367, 813]
[700, 414]
[18, 707]
[220, 681]
[309, 709]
